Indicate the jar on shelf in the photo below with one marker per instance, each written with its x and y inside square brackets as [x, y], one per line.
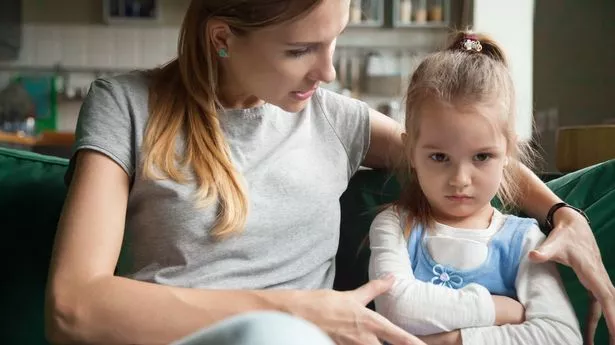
[420, 12]
[366, 13]
[435, 13]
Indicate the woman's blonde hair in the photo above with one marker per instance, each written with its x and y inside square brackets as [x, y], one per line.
[472, 71]
[184, 101]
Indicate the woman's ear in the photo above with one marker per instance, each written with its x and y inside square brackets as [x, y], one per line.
[219, 34]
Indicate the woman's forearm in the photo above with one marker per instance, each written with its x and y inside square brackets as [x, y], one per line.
[537, 198]
[116, 310]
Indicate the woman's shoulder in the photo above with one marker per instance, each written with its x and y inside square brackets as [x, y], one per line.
[134, 83]
[333, 103]
[121, 97]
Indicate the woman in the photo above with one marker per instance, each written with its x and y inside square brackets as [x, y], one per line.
[226, 166]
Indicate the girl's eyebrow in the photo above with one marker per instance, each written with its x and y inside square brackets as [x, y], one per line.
[430, 147]
[488, 148]
[436, 147]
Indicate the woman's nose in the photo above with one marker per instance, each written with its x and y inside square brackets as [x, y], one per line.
[324, 70]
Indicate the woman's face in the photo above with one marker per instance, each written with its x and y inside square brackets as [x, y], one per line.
[284, 64]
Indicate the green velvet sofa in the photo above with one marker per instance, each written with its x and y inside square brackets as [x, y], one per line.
[32, 191]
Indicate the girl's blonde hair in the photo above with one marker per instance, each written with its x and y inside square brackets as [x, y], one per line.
[472, 71]
[183, 101]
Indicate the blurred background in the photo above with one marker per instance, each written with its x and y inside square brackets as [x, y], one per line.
[562, 56]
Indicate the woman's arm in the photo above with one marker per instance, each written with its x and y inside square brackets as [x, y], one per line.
[385, 146]
[418, 307]
[550, 318]
[86, 304]
[571, 243]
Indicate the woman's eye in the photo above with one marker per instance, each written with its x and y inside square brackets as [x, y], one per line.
[438, 157]
[298, 52]
[481, 157]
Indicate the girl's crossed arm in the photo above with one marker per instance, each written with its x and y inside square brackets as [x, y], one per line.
[423, 308]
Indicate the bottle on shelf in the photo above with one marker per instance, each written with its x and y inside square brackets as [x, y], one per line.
[405, 11]
[355, 12]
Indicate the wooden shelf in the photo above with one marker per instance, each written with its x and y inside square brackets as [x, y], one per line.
[16, 139]
[45, 138]
[425, 39]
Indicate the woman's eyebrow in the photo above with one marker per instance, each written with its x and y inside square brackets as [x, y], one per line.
[313, 43]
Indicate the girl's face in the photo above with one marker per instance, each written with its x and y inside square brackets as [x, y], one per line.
[284, 64]
[459, 159]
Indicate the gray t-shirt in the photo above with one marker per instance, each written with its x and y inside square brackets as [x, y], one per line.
[296, 166]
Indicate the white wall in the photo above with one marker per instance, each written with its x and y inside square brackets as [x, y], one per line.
[511, 23]
[96, 46]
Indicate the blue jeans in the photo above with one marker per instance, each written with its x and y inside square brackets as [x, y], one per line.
[259, 328]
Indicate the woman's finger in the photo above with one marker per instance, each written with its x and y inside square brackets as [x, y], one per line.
[391, 334]
[552, 249]
[591, 272]
[367, 292]
[608, 311]
[594, 313]
[346, 339]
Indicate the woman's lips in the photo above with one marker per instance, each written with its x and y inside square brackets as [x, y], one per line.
[302, 96]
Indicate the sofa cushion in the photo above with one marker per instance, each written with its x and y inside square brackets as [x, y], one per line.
[32, 191]
[593, 190]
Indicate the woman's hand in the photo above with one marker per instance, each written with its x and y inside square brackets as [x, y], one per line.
[572, 243]
[508, 311]
[448, 338]
[344, 317]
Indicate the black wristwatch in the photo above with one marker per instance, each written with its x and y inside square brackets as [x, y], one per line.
[549, 220]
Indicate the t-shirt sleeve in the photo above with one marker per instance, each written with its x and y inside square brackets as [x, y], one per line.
[105, 125]
[349, 118]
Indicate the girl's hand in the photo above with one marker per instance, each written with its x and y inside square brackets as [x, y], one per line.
[508, 311]
[449, 338]
[572, 243]
[344, 317]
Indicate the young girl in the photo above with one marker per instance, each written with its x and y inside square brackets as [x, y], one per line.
[443, 241]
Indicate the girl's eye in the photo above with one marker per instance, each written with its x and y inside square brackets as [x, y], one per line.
[482, 157]
[296, 53]
[438, 157]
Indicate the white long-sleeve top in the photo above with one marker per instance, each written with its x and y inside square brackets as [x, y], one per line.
[423, 308]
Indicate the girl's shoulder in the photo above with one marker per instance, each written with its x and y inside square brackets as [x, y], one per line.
[391, 216]
[521, 222]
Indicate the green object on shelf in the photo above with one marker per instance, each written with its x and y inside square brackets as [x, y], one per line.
[43, 91]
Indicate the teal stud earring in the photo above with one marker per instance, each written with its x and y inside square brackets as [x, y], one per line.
[222, 53]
